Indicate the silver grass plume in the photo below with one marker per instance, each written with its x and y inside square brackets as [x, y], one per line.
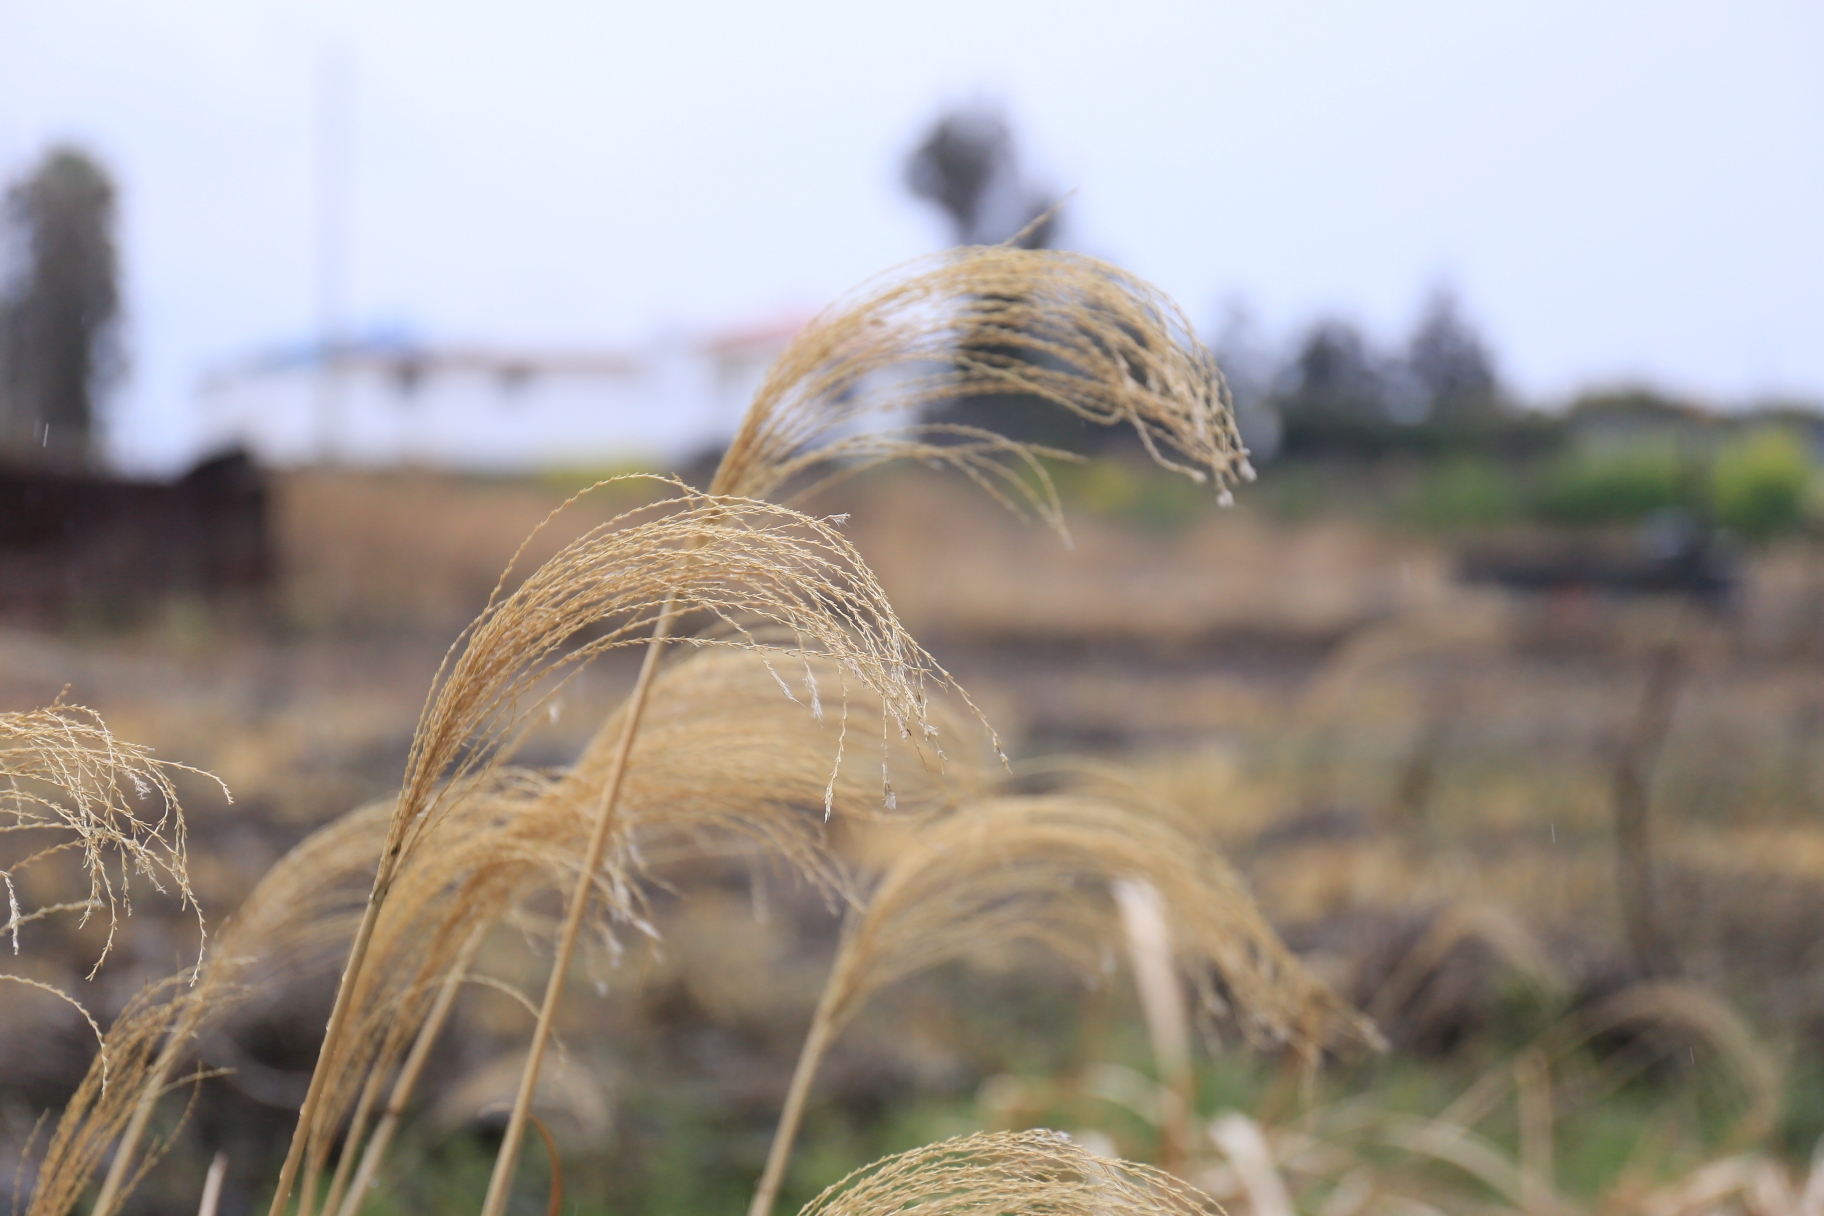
[1045, 1173]
[1096, 341]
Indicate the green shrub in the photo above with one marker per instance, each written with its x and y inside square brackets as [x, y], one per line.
[1758, 483]
[1467, 492]
[1616, 485]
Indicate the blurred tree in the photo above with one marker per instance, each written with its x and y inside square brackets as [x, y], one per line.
[1334, 395]
[1452, 367]
[59, 308]
[1338, 396]
[968, 167]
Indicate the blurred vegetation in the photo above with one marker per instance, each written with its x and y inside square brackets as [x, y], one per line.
[1759, 483]
[1421, 432]
[674, 1156]
[1755, 481]
[1469, 490]
[1619, 484]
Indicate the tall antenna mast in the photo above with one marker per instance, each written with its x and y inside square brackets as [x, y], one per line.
[334, 174]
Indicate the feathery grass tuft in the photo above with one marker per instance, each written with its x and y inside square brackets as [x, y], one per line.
[976, 322]
[129, 1064]
[970, 323]
[67, 785]
[1019, 868]
[297, 920]
[764, 572]
[994, 1173]
[717, 770]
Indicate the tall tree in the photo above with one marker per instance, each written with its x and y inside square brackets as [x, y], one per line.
[59, 308]
[1450, 362]
[968, 167]
[1336, 393]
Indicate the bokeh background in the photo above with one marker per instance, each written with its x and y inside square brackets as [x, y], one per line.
[1503, 686]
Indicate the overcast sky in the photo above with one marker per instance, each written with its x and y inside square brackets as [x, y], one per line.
[1622, 191]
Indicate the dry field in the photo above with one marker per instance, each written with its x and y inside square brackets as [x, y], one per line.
[1565, 852]
[1476, 903]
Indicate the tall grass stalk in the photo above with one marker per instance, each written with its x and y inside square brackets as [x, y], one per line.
[374, 1151]
[1145, 924]
[212, 1185]
[791, 1113]
[338, 1018]
[501, 1180]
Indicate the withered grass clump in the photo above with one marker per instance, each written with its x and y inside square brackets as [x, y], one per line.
[296, 923]
[1038, 868]
[718, 770]
[70, 788]
[969, 324]
[992, 1173]
[744, 563]
[712, 755]
[131, 1064]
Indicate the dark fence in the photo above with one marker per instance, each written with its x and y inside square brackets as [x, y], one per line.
[82, 544]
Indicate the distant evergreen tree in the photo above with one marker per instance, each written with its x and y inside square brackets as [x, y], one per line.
[1338, 396]
[1334, 395]
[1452, 366]
[59, 308]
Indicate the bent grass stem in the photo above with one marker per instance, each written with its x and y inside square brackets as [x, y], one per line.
[345, 1160]
[338, 1017]
[150, 1093]
[375, 1150]
[500, 1183]
[816, 1041]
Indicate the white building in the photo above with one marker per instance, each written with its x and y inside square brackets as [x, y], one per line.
[379, 401]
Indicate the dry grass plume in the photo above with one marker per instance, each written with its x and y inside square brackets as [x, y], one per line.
[992, 1173]
[977, 322]
[68, 787]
